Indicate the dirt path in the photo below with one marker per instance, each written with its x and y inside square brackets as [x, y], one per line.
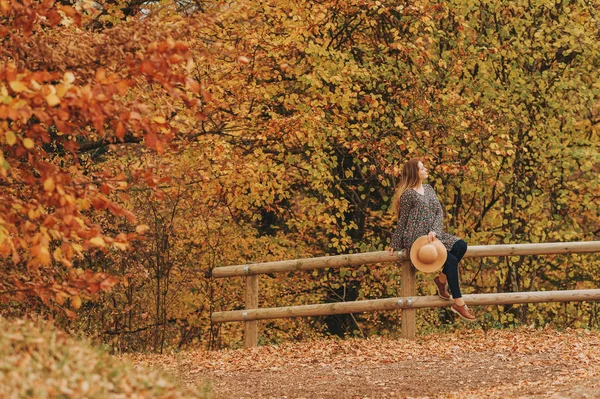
[499, 364]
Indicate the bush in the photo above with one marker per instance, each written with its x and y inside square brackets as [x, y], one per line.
[39, 361]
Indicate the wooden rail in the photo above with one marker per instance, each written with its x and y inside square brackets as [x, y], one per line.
[385, 256]
[413, 302]
[408, 303]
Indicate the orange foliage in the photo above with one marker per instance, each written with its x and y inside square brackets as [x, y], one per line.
[65, 89]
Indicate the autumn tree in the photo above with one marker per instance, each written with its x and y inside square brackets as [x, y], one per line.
[66, 90]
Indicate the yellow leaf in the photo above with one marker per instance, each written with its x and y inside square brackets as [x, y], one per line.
[52, 99]
[49, 184]
[68, 77]
[5, 6]
[57, 254]
[83, 203]
[61, 297]
[76, 302]
[28, 143]
[61, 90]
[121, 245]
[11, 138]
[17, 86]
[77, 247]
[98, 242]
[141, 229]
[159, 119]
[44, 256]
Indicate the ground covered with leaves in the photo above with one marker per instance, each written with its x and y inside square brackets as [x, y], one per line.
[524, 363]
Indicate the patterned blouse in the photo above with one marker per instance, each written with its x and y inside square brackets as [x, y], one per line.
[417, 216]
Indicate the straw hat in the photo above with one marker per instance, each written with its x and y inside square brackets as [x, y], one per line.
[428, 257]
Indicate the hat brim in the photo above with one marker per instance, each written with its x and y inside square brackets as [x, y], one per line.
[428, 267]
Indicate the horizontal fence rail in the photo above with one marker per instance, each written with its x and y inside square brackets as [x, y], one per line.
[414, 302]
[338, 261]
[407, 303]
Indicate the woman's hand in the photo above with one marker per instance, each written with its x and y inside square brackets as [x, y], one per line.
[431, 236]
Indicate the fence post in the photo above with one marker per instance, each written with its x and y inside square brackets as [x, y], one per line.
[250, 327]
[408, 288]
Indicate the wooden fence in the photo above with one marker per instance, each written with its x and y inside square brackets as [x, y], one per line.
[408, 302]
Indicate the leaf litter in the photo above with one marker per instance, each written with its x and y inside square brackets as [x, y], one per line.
[521, 363]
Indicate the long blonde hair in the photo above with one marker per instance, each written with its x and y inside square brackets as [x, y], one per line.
[409, 178]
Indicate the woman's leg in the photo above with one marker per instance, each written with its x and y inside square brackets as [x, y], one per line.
[451, 271]
[459, 249]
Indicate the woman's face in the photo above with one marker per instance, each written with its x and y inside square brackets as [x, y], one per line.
[423, 172]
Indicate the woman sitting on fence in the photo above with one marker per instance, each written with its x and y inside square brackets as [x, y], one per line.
[420, 214]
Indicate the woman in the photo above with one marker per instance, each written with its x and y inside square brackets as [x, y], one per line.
[420, 213]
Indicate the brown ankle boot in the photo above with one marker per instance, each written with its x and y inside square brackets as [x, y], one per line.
[463, 311]
[442, 288]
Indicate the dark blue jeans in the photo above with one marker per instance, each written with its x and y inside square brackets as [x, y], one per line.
[451, 267]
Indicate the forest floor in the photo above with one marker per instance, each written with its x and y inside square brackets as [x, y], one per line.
[463, 364]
